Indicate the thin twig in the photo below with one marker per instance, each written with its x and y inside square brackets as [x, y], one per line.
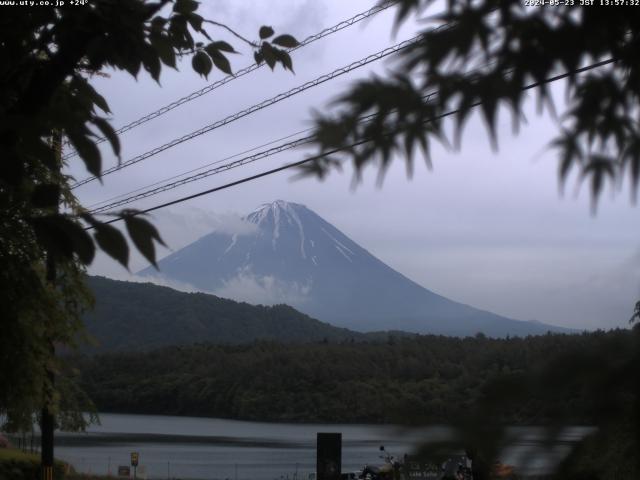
[229, 29]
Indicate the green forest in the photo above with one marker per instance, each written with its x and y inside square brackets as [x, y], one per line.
[143, 316]
[401, 379]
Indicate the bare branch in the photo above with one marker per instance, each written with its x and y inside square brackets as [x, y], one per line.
[233, 32]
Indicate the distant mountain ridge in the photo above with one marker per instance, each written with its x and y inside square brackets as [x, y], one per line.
[142, 316]
[294, 256]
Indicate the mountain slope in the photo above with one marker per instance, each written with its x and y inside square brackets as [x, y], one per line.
[141, 316]
[294, 256]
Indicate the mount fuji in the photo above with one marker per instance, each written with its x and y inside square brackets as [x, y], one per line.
[291, 255]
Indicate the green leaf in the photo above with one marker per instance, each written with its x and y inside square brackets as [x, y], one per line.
[201, 63]
[222, 46]
[87, 150]
[46, 195]
[151, 61]
[219, 60]
[164, 49]
[158, 23]
[268, 54]
[222, 63]
[84, 88]
[284, 58]
[100, 102]
[265, 32]
[108, 132]
[131, 63]
[286, 41]
[179, 32]
[62, 236]
[143, 233]
[185, 7]
[81, 241]
[599, 167]
[112, 242]
[570, 153]
[196, 21]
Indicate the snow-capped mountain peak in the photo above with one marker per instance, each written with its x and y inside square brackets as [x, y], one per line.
[294, 256]
[286, 223]
[280, 215]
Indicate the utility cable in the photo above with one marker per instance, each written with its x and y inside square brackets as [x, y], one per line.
[134, 195]
[259, 106]
[207, 173]
[233, 184]
[95, 206]
[209, 88]
[339, 149]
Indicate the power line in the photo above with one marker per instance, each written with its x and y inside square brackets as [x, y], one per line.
[228, 166]
[254, 108]
[339, 149]
[133, 195]
[209, 88]
[233, 184]
[132, 192]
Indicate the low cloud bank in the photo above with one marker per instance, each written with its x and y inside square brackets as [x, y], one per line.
[264, 289]
[245, 287]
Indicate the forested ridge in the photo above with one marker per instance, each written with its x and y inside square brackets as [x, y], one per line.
[418, 378]
[142, 316]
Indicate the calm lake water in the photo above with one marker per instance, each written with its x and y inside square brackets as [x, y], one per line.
[208, 448]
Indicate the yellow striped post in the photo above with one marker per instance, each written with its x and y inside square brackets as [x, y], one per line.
[47, 473]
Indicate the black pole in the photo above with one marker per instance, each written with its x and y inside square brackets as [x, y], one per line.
[47, 422]
[46, 426]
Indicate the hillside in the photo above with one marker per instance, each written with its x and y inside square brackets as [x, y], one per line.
[140, 316]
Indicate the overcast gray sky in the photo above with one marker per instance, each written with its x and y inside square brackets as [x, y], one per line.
[485, 228]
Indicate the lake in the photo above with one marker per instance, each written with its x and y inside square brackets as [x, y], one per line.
[209, 448]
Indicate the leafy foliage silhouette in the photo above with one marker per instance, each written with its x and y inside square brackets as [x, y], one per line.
[49, 55]
[486, 58]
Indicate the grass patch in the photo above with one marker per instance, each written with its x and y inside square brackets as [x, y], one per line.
[17, 455]
[18, 465]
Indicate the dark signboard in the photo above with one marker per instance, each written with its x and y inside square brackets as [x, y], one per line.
[329, 456]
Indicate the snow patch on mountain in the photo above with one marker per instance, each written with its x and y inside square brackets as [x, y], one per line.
[279, 212]
[341, 247]
[276, 226]
[297, 221]
[234, 239]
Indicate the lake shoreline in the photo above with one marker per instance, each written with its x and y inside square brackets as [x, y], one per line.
[205, 448]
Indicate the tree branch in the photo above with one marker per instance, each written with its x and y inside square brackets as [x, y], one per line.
[233, 32]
